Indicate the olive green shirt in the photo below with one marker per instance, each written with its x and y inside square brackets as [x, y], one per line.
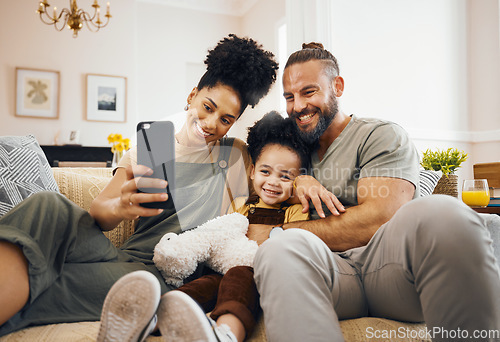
[366, 148]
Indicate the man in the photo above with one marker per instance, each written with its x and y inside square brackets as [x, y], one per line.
[424, 260]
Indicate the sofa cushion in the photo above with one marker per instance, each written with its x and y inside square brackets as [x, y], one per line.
[82, 185]
[354, 330]
[24, 170]
[492, 222]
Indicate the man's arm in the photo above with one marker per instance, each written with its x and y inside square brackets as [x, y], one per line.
[378, 197]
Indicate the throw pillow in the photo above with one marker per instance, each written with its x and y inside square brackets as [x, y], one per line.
[24, 170]
[428, 180]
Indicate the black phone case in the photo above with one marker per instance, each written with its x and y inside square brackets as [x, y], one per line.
[156, 150]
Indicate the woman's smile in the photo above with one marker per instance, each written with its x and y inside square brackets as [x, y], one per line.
[200, 131]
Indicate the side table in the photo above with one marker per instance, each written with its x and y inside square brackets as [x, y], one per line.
[488, 210]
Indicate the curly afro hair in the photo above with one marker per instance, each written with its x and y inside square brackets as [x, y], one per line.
[275, 129]
[242, 64]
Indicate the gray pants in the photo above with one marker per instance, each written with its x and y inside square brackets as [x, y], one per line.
[432, 262]
[72, 265]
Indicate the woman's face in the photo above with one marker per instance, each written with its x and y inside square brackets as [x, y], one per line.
[212, 112]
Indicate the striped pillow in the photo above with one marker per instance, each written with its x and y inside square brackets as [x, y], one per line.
[24, 170]
[428, 180]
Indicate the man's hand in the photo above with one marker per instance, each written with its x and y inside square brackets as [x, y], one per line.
[308, 188]
[259, 232]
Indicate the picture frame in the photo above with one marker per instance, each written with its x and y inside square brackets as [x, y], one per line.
[106, 98]
[37, 93]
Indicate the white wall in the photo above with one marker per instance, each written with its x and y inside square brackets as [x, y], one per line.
[26, 42]
[172, 44]
[159, 48]
[406, 61]
[484, 79]
[432, 66]
[261, 23]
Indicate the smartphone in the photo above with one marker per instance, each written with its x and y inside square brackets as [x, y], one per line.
[156, 150]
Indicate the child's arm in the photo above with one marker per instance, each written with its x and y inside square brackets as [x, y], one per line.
[294, 214]
[260, 232]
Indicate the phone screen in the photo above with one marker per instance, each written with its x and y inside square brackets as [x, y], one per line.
[156, 150]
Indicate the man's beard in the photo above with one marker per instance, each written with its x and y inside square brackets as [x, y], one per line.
[311, 138]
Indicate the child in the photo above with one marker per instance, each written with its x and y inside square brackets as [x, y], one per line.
[278, 157]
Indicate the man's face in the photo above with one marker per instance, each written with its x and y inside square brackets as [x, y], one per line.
[310, 97]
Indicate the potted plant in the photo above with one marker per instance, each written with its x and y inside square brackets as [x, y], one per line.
[446, 161]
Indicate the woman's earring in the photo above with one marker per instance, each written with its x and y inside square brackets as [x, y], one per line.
[187, 107]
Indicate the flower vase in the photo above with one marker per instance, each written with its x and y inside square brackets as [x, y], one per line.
[117, 155]
[447, 185]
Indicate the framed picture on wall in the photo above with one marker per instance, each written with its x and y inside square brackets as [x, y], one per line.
[106, 98]
[37, 93]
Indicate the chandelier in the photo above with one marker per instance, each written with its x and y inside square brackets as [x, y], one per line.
[73, 17]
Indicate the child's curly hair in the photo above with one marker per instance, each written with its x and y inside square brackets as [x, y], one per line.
[275, 129]
[242, 64]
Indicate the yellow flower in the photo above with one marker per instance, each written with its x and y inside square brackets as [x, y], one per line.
[120, 146]
[118, 143]
[111, 138]
[126, 143]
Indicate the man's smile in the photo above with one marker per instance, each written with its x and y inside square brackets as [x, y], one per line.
[305, 118]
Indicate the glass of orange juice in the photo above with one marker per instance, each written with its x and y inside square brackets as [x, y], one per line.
[475, 192]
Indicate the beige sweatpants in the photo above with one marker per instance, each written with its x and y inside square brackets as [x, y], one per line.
[432, 262]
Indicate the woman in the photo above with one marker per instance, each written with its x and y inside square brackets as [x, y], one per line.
[55, 263]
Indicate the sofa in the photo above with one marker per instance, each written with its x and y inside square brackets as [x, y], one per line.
[81, 185]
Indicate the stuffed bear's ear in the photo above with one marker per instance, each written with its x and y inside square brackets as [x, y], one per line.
[169, 236]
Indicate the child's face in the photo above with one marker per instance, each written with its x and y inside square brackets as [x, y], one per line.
[274, 172]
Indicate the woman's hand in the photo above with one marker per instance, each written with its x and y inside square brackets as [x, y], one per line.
[308, 188]
[121, 200]
[130, 198]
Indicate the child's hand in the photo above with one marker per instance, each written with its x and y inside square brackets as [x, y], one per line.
[308, 188]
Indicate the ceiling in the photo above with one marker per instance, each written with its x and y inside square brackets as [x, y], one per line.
[228, 7]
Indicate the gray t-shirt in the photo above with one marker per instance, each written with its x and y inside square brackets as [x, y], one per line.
[366, 148]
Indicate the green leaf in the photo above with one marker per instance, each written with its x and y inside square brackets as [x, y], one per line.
[446, 161]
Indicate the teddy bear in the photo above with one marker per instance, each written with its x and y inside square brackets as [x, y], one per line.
[221, 243]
